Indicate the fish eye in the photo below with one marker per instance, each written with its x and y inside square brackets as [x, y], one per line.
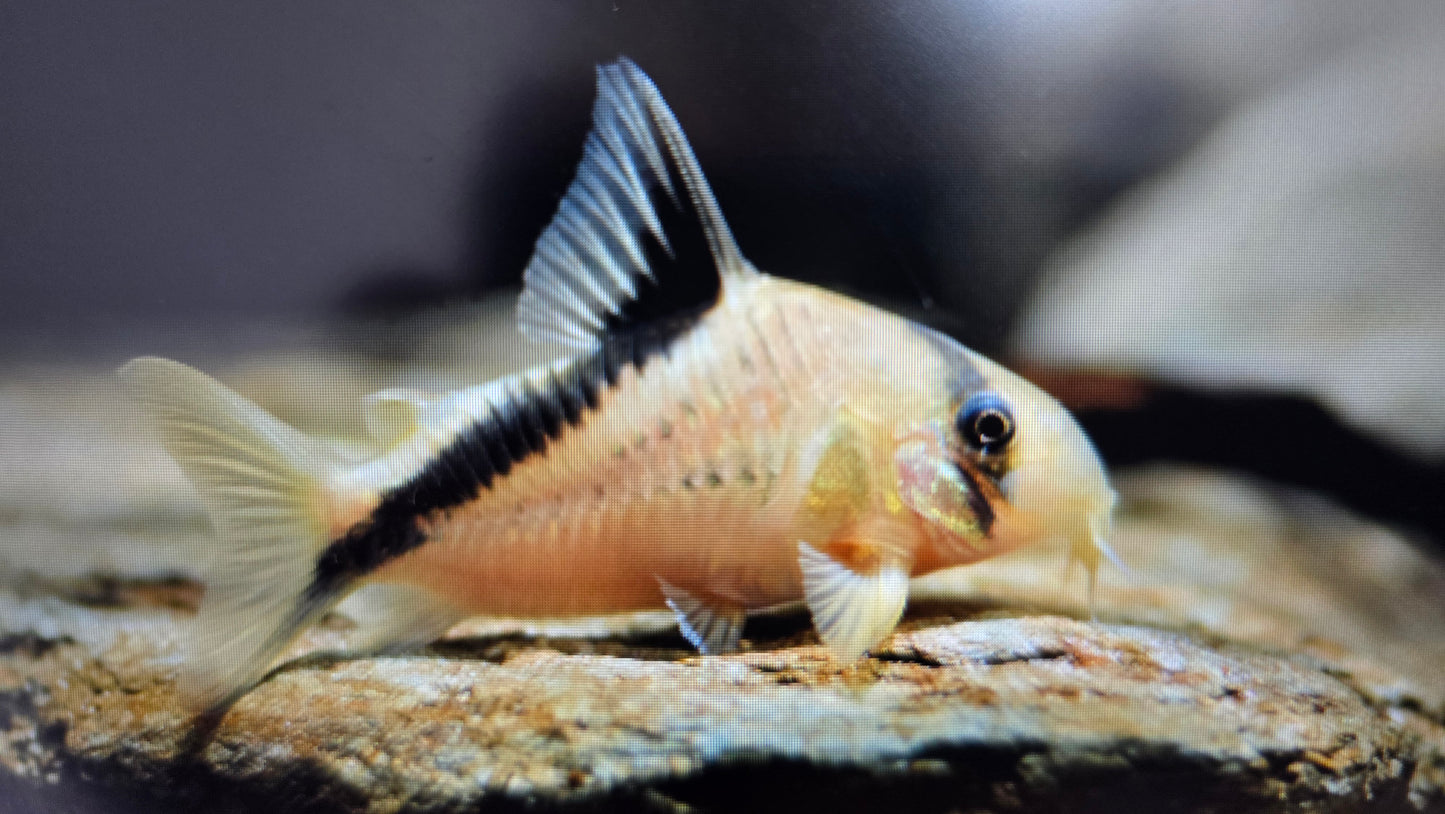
[986, 423]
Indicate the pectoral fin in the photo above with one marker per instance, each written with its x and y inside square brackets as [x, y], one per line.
[713, 627]
[852, 611]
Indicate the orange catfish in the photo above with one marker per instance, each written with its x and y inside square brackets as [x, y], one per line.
[719, 441]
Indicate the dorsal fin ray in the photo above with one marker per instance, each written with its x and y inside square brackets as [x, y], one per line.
[638, 239]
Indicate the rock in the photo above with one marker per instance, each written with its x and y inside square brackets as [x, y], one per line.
[1267, 652]
[1295, 250]
[1016, 712]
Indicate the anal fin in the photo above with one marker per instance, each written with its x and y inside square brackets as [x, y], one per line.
[713, 627]
[852, 611]
[394, 617]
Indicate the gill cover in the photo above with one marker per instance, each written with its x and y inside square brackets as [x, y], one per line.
[931, 484]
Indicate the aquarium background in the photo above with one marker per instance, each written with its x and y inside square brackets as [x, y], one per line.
[1226, 196]
[165, 160]
[1212, 229]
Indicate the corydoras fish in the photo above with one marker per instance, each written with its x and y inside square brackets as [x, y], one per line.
[719, 441]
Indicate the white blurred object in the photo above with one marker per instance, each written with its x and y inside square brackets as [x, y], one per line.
[1301, 248]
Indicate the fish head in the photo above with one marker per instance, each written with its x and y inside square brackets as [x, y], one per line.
[999, 464]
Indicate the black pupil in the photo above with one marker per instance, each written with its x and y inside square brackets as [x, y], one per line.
[985, 423]
[990, 427]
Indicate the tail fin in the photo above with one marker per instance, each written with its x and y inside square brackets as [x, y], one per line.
[265, 487]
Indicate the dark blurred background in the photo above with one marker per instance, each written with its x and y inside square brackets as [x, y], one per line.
[180, 158]
[1227, 200]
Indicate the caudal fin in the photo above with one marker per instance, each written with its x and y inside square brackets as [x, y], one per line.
[265, 487]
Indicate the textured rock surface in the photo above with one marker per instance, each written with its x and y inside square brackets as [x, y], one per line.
[1267, 653]
[1301, 248]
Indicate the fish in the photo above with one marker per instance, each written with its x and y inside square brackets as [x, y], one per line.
[715, 440]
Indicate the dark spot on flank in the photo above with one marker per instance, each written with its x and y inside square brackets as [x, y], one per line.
[745, 362]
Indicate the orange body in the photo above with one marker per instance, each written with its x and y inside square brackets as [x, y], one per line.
[705, 469]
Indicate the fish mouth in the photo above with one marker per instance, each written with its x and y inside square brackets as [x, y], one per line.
[1063, 488]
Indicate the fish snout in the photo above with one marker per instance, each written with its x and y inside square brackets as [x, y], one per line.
[1063, 487]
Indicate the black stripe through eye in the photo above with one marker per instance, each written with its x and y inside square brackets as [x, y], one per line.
[977, 501]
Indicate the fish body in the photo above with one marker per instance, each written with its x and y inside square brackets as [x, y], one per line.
[719, 441]
[701, 469]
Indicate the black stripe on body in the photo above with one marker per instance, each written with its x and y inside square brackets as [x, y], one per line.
[523, 424]
[638, 187]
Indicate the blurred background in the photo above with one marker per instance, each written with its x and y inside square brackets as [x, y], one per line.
[1213, 228]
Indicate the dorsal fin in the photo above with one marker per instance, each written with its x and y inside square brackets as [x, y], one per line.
[638, 238]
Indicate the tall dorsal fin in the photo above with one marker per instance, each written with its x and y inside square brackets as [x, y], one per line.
[638, 239]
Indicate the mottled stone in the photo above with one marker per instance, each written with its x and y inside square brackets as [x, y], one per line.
[1038, 710]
